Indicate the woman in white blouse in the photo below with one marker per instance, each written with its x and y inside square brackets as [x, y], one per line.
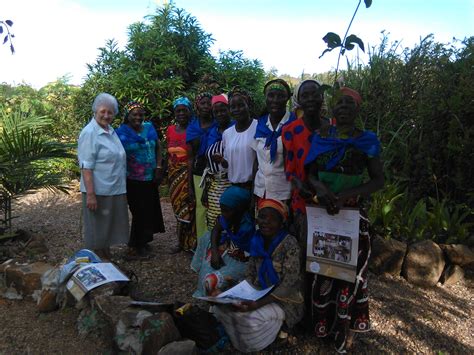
[270, 180]
[239, 157]
[103, 164]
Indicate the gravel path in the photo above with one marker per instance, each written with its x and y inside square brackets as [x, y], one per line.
[404, 318]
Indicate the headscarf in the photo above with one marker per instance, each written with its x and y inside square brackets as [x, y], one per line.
[131, 105]
[295, 99]
[195, 131]
[234, 197]
[238, 91]
[345, 91]
[201, 96]
[271, 136]
[183, 100]
[219, 98]
[367, 142]
[277, 84]
[277, 205]
[257, 249]
[127, 134]
[215, 135]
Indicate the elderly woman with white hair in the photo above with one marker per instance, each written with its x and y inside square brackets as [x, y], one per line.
[102, 160]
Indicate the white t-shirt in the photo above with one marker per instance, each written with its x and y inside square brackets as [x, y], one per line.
[270, 180]
[239, 153]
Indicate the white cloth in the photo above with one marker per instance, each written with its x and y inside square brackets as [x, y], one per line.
[251, 331]
[270, 180]
[239, 153]
[102, 152]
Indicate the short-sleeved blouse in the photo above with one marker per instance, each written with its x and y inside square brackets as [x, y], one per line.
[176, 143]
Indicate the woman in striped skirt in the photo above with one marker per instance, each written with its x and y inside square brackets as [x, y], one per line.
[215, 179]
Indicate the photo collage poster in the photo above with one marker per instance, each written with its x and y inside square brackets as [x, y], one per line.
[332, 243]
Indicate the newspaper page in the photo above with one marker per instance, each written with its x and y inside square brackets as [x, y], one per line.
[240, 292]
[332, 243]
[91, 276]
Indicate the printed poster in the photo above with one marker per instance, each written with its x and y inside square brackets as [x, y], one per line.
[332, 243]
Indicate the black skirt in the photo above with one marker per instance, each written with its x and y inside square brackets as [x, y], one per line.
[147, 219]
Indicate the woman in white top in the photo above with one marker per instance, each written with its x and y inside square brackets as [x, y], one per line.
[103, 164]
[270, 180]
[239, 157]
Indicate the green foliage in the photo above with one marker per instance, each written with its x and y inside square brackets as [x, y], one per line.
[166, 56]
[26, 152]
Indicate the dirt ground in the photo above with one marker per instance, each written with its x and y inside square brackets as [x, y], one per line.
[404, 318]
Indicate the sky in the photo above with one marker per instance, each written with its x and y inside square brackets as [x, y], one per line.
[54, 38]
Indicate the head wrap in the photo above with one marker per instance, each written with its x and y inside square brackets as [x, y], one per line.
[235, 196]
[201, 96]
[131, 105]
[219, 98]
[183, 101]
[279, 206]
[296, 93]
[345, 91]
[243, 236]
[277, 84]
[238, 91]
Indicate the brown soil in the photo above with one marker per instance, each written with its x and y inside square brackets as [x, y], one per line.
[404, 318]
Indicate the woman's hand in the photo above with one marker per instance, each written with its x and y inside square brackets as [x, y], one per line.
[91, 201]
[219, 159]
[246, 306]
[216, 260]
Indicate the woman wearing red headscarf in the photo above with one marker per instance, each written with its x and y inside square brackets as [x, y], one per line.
[337, 161]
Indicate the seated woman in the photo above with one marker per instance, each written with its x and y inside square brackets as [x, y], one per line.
[338, 160]
[274, 260]
[221, 255]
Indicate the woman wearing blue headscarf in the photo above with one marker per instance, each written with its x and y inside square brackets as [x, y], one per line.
[178, 175]
[274, 261]
[221, 255]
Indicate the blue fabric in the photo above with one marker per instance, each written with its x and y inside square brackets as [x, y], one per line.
[183, 101]
[194, 131]
[216, 136]
[141, 151]
[235, 196]
[242, 238]
[263, 131]
[266, 270]
[367, 142]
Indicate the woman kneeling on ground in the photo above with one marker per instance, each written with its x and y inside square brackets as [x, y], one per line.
[221, 255]
[274, 260]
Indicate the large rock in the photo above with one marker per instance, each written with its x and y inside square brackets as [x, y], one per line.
[157, 331]
[183, 347]
[387, 256]
[424, 263]
[452, 274]
[127, 331]
[26, 278]
[459, 254]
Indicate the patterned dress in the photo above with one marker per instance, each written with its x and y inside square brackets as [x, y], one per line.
[340, 306]
[178, 181]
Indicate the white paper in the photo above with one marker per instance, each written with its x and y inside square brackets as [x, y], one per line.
[91, 276]
[240, 292]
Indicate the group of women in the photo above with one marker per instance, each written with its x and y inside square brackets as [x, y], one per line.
[238, 185]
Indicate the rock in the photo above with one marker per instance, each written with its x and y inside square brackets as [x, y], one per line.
[183, 347]
[387, 256]
[451, 275]
[11, 294]
[36, 245]
[127, 331]
[47, 301]
[112, 306]
[459, 254]
[157, 331]
[424, 263]
[26, 277]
